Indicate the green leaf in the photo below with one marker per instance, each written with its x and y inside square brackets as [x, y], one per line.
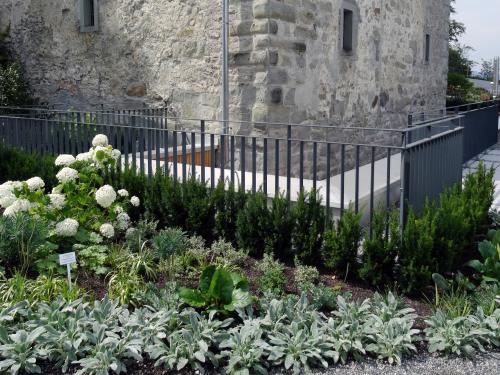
[240, 300]
[240, 282]
[221, 286]
[192, 297]
[206, 278]
[476, 264]
[440, 281]
[487, 249]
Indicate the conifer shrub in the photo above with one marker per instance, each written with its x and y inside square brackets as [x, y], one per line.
[228, 202]
[342, 242]
[279, 235]
[380, 250]
[253, 224]
[307, 237]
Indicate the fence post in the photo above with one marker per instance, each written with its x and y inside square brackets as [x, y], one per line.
[403, 190]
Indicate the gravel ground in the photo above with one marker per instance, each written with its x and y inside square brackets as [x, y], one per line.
[484, 364]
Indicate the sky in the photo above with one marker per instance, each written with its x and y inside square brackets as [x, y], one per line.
[482, 20]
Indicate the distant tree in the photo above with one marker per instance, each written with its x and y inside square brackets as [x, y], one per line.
[487, 70]
[458, 60]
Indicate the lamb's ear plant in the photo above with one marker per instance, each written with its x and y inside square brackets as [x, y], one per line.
[245, 350]
[21, 351]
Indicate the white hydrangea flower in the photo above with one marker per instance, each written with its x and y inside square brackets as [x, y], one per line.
[6, 200]
[116, 154]
[67, 228]
[123, 193]
[107, 230]
[105, 196]
[122, 221]
[64, 160]
[35, 183]
[84, 156]
[57, 201]
[66, 175]
[19, 205]
[100, 140]
[135, 201]
[6, 188]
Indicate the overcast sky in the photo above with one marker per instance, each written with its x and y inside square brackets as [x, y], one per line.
[482, 20]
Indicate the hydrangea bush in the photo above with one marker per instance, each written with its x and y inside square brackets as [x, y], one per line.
[80, 205]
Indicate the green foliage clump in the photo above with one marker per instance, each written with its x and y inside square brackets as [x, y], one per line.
[21, 237]
[306, 274]
[253, 225]
[280, 228]
[489, 267]
[228, 203]
[342, 244]
[20, 165]
[93, 258]
[307, 237]
[169, 242]
[273, 277]
[380, 250]
[415, 255]
[219, 290]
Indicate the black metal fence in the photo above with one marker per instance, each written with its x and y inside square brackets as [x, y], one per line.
[480, 123]
[415, 163]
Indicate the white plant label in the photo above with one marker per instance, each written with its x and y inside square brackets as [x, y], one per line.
[67, 260]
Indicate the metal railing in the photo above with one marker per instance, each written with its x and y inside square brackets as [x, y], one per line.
[362, 174]
[480, 122]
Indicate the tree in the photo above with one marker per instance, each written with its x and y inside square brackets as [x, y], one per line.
[487, 70]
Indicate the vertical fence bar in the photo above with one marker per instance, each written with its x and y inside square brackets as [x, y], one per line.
[150, 156]
[166, 151]
[301, 164]
[212, 161]
[222, 156]
[202, 149]
[141, 149]
[184, 156]
[174, 154]
[356, 188]
[372, 189]
[242, 157]
[264, 166]
[158, 141]
[342, 179]
[288, 162]
[232, 141]
[276, 167]
[193, 155]
[315, 164]
[328, 181]
[254, 164]
[388, 180]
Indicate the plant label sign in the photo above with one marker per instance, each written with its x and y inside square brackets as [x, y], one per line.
[66, 259]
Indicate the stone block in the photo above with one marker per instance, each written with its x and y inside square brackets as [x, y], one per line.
[273, 9]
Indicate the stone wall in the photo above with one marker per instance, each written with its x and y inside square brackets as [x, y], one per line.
[287, 64]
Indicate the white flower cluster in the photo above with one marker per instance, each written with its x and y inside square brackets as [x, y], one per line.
[66, 175]
[64, 160]
[100, 140]
[123, 193]
[84, 156]
[67, 228]
[57, 201]
[135, 201]
[122, 221]
[105, 196]
[35, 184]
[19, 205]
[7, 196]
[107, 230]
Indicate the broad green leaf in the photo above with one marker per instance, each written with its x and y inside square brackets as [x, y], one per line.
[487, 249]
[221, 286]
[192, 297]
[206, 278]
